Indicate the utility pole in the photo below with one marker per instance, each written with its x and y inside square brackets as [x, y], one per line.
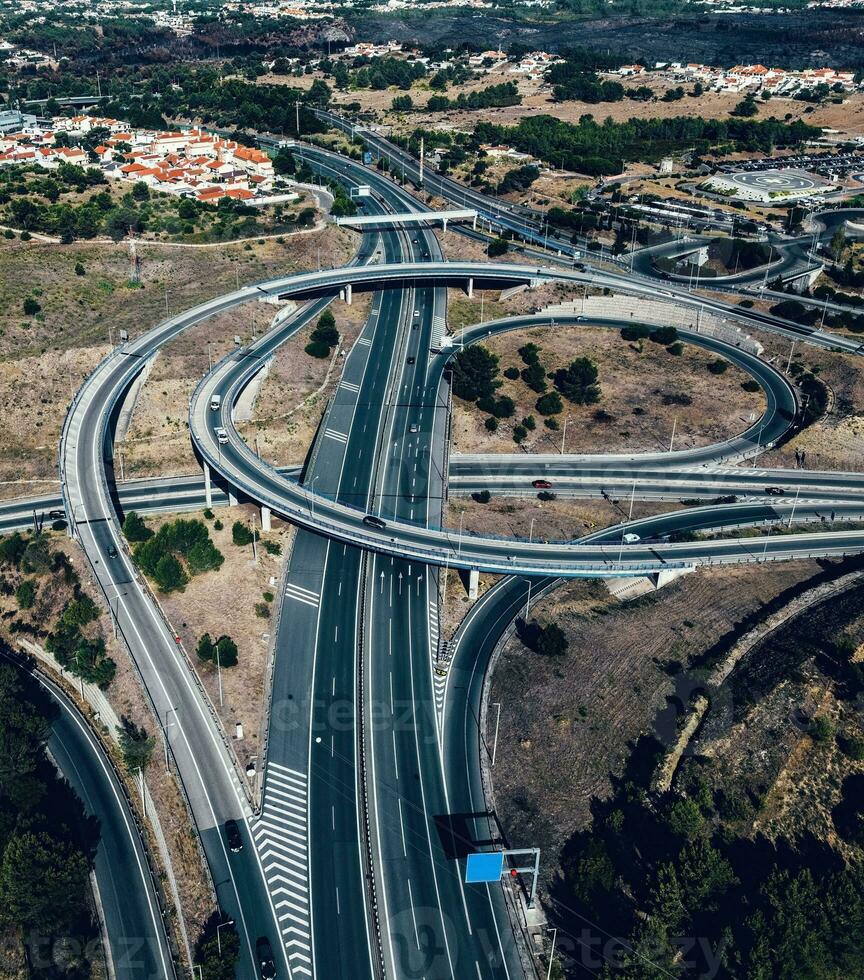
[219, 674]
[497, 723]
[672, 440]
[794, 505]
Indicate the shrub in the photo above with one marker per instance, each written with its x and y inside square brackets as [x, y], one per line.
[262, 609]
[512, 373]
[822, 729]
[676, 349]
[546, 495]
[502, 408]
[718, 366]
[218, 525]
[273, 547]
[665, 336]
[80, 270]
[498, 246]
[549, 404]
[227, 648]
[268, 596]
[491, 423]
[134, 528]
[30, 306]
[169, 575]
[535, 377]
[80, 610]
[135, 744]
[552, 424]
[530, 353]
[635, 331]
[751, 384]
[208, 514]
[529, 423]
[578, 382]
[519, 434]
[549, 641]
[482, 496]
[474, 373]
[316, 348]
[12, 549]
[852, 746]
[25, 594]
[240, 534]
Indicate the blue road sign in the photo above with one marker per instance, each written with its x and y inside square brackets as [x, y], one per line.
[484, 866]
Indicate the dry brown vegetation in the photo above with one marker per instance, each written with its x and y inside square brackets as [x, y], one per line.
[566, 723]
[298, 387]
[227, 602]
[43, 359]
[634, 413]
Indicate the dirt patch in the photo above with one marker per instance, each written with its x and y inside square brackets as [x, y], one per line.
[836, 441]
[544, 520]
[298, 388]
[567, 724]
[44, 358]
[645, 390]
[230, 602]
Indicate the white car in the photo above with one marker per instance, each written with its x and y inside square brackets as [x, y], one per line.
[221, 436]
[631, 538]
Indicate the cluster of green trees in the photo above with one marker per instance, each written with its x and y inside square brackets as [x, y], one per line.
[47, 842]
[174, 554]
[578, 381]
[75, 648]
[220, 652]
[83, 656]
[380, 73]
[572, 82]
[324, 337]
[491, 97]
[603, 148]
[475, 373]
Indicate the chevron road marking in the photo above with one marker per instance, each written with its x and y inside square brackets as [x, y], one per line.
[281, 839]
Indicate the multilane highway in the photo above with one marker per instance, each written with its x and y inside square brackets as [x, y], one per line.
[394, 468]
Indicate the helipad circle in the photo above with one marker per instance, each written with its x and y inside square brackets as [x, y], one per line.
[774, 180]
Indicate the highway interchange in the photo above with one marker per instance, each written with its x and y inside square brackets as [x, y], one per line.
[371, 793]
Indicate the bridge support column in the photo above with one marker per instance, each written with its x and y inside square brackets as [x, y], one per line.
[444, 221]
[266, 524]
[474, 223]
[469, 289]
[232, 500]
[348, 293]
[473, 583]
[208, 488]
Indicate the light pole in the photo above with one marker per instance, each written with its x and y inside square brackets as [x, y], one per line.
[227, 922]
[794, 505]
[219, 675]
[552, 953]
[497, 723]
[672, 440]
[564, 434]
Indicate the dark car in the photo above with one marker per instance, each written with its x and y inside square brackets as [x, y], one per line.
[112, 551]
[775, 491]
[370, 520]
[541, 484]
[264, 953]
[56, 515]
[232, 835]
[411, 360]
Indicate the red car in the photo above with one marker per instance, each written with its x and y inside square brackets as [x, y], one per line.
[541, 484]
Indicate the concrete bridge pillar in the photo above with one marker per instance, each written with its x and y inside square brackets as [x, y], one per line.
[469, 289]
[208, 488]
[444, 221]
[266, 524]
[473, 583]
[348, 293]
[232, 500]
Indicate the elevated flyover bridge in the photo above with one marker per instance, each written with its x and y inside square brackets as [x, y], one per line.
[408, 218]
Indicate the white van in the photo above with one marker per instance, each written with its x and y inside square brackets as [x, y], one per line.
[631, 539]
[215, 402]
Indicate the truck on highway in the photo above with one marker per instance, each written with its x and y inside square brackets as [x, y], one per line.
[215, 402]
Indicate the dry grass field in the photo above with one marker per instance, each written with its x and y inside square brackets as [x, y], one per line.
[641, 391]
[566, 723]
[44, 358]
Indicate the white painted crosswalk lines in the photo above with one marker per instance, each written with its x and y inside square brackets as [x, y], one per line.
[349, 385]
[281, 838]
[335, 434]
[297, 592]
[365, 341]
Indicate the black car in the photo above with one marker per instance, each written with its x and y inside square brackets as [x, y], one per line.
[232, 835]
[775, 491]
[266, 963]
[411, 360]
[370, 520]
[112, 551]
